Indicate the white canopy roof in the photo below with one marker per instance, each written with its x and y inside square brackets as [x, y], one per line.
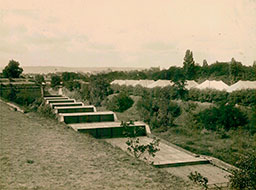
[240, 85]
[213, 84]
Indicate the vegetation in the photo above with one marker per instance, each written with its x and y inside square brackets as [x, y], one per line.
[199, 179]
[55, 80]
[244, 178]
[39, 79]
[189, 65]
[97, 90]
[12, 70]
[145, 151]
[158, 109]
[223, 117]
[120, 102]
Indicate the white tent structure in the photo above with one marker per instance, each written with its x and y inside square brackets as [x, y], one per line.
[131, 82]
[242, 85]
[145, 83]
[160, 83]
[190, 84]
[213, 84]
[118, 82]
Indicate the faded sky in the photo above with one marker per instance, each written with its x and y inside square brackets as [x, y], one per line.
[119, 33]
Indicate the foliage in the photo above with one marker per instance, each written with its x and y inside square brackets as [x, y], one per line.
[225, 116]
[243, 97]
[158, 109]
[198, 179]
[46, 111]
[207, 95]
[39, 79]
[120, 102]
[55, 80]
[72, 85]
[145, 151]
[12, 70]
[97, 90]
[245, 176]
[189, 65]
[148, 151]
[69, 76]
[20, 94]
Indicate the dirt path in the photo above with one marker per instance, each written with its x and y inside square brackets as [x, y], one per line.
[39, 153]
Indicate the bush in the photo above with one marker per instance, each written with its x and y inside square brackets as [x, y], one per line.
[97, 90]
[72, 85]
[245, 176]
[55, 80]
[157, 109]
[243, 97]
[225, 116]
[198, 179]
[120, 102]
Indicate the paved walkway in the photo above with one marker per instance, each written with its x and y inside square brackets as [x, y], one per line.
[179, 162]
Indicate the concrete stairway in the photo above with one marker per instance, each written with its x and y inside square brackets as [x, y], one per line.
[86, 119]
[105, 125]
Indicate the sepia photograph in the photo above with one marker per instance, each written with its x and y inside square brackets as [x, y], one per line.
[128, 94]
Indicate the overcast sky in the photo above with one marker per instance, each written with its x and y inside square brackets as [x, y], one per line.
[126, 33]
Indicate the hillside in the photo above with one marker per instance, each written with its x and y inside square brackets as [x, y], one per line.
[39, 153]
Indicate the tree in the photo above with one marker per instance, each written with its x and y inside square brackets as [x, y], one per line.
[205, 64]
[120, 102]
[39, 79]
[12, 70]
[55, 80]
[236, 70]
[189, 65]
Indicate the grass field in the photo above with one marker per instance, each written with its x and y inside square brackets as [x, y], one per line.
[39, 153]
[227, 146]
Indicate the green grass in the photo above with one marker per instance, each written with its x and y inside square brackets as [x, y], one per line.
[227, 146]
[228, 149]
[39, 153]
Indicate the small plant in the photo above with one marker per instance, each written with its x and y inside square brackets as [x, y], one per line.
[198, 179]
[245, 176]
[148, 151]
[145, 151]
[30, 161]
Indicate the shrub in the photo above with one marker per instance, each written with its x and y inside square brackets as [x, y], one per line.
[243, 97]
[245, 176]
[97, 90]
[147, 151]
[198, 179]
[224, 116]
[55, 80]
[120, 102]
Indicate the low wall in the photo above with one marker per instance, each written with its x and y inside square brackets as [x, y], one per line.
[20, 90]
[114, 132]
[87, 118]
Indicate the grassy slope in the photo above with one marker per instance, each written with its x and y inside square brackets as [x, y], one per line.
[227, 146]
[39, 153]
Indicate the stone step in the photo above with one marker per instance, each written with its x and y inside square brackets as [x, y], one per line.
[109, 129]
[74, 109]
[87, 117]
[56, 95]
[60, 101]
[72, 104]
[56, 98]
